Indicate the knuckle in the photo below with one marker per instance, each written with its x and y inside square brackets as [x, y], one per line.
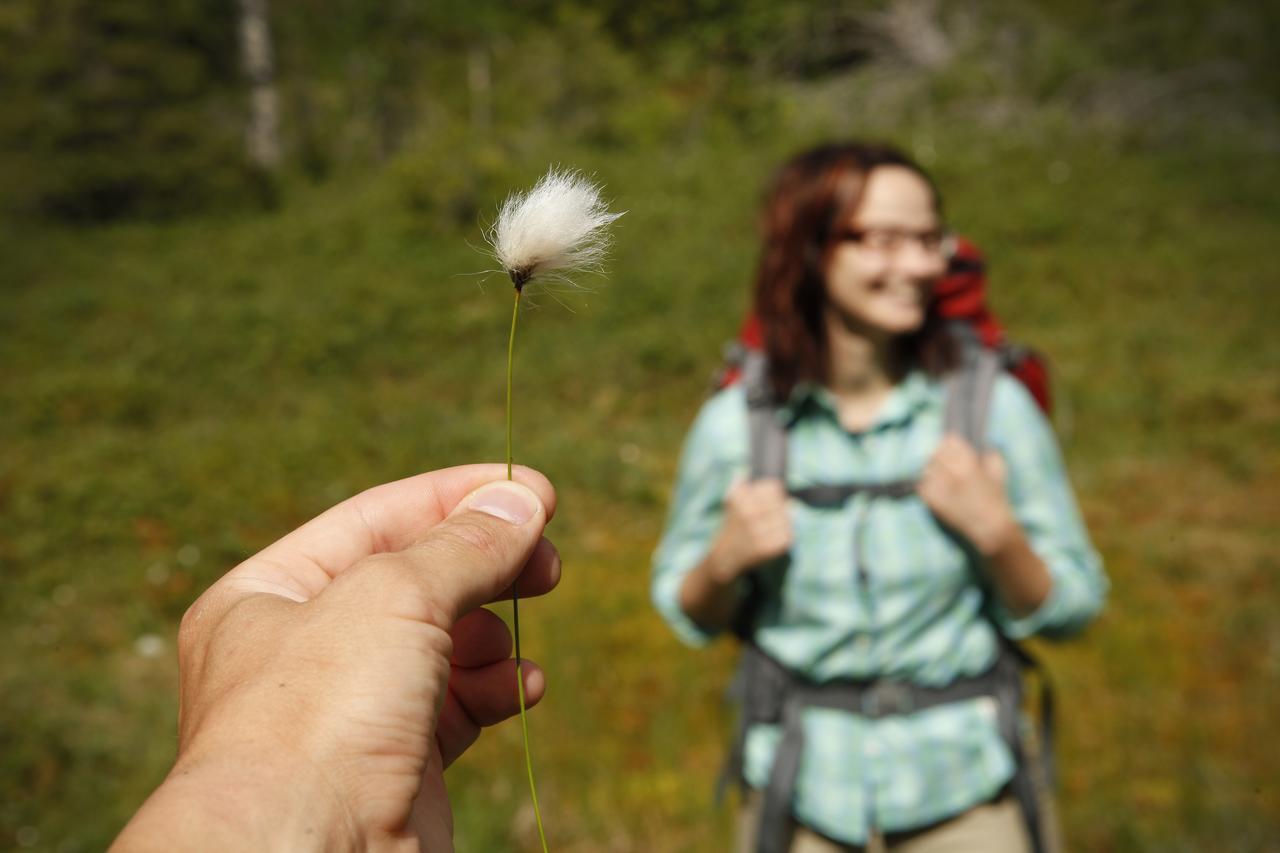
[384, 574]
[467, 537]
[372, 569]
[391, 583]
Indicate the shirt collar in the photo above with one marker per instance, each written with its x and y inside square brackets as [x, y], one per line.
[910, 395]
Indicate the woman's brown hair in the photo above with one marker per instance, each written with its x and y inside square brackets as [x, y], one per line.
[811, 195]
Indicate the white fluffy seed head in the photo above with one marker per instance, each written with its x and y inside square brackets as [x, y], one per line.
[559, 226]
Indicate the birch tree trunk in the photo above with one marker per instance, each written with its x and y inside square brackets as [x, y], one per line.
[262, 134]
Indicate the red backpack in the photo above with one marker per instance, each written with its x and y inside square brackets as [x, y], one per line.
[961, 297]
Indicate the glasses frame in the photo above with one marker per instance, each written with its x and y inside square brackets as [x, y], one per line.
[939, 241]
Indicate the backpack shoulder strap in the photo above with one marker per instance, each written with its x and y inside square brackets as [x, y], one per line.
[968, 391]
[768, 436]
[768, 448]
[768, 445]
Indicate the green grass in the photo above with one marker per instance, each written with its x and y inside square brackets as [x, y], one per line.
[174, 397]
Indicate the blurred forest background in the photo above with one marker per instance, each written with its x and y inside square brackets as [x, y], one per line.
[235, 265]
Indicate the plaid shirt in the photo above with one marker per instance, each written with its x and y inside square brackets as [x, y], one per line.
[878, 588]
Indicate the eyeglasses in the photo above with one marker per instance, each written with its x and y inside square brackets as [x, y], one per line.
[891, 240]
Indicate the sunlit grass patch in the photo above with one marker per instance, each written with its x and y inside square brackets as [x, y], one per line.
[173, 398]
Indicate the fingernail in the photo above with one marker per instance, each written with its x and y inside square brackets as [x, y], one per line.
[506, 501]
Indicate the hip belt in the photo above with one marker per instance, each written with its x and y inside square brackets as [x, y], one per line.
[770, 693]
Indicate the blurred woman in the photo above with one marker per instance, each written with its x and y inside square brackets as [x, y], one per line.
[874, 574]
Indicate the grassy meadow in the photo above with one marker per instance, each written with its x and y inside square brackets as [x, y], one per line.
[174, 396]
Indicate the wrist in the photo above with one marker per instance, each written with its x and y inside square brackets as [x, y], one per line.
[723, 567]
[249, 802]
[1000, 533]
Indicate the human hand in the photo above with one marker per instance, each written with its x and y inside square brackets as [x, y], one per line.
[967, 493]
[756, 528]
[328, 681]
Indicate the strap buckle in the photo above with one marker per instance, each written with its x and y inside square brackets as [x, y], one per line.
[886, 698]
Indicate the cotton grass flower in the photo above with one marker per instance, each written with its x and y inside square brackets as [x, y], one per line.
[558, 228]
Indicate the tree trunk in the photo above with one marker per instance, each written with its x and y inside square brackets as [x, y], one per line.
[262, 135]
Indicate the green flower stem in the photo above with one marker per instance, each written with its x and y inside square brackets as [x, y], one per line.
[515, 598]
[511, 360]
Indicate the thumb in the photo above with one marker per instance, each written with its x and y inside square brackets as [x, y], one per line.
[466, 560]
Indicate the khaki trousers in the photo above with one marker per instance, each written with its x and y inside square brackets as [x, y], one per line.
[995, 827]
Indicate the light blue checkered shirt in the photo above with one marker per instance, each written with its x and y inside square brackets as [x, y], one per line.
[917, 614]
